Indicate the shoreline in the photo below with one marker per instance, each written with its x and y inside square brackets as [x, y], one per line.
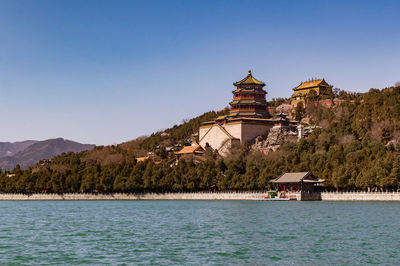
[323, 196]
[134, 196]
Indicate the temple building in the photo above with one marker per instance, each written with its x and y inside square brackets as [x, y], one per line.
[300, 181]
[249, 99]
[194, 149]
[193, 152]
[320, 86]
[247, 119]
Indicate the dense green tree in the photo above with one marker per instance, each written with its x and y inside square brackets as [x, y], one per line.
[299, 111]
[349, 151]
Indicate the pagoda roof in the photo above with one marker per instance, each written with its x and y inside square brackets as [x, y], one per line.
[247, 114]
[249, 80]
[249, 101]
[312, 83]
[248, 91]
[236, 117]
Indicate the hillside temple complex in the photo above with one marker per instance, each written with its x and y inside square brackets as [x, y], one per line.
[249, 119]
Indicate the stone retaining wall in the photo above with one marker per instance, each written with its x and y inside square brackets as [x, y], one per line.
[348, 196]
[360, 196]
[139, 196]
[325, 196]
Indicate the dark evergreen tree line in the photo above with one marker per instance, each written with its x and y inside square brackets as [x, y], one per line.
[356, 148]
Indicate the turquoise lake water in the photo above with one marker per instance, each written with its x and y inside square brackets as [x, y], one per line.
[199, 232]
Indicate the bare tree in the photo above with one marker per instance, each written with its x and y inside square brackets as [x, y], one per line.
[397, 84]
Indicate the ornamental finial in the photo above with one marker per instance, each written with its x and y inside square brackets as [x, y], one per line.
[249, 72]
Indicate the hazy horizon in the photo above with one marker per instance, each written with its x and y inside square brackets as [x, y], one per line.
[106, 72]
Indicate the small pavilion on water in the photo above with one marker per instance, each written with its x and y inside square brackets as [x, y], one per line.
[300, 181]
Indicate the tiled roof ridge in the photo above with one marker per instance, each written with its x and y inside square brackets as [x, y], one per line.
[252, 80]
[311, 83]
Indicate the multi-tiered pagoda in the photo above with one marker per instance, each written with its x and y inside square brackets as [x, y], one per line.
[249, 99]
[247, 119]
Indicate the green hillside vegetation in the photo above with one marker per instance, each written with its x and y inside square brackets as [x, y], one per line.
[356, 148]
[178, 133]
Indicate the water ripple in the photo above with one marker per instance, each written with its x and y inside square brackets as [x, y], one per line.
[199, 232]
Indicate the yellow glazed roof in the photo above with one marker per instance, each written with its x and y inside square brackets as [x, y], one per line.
[249, 79]
[312, 83]
[142, 159]
[190, 149]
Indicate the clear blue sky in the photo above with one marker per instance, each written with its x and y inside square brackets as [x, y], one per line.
[105, 72]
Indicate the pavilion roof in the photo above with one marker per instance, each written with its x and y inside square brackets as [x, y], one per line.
[312, 83]
[190, 149]
[142, 159]
[299, 177]
[249, 80]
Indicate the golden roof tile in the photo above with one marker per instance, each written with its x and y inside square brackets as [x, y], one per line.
[190, 149]
[312, 83]
[249, 80]
[142, 159]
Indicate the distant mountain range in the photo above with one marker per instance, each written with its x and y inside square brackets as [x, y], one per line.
[11, 148]
[26, 153]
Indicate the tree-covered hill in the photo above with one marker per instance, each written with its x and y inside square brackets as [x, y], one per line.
[357, 148]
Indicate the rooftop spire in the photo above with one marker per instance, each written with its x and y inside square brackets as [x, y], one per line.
[249, 80]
